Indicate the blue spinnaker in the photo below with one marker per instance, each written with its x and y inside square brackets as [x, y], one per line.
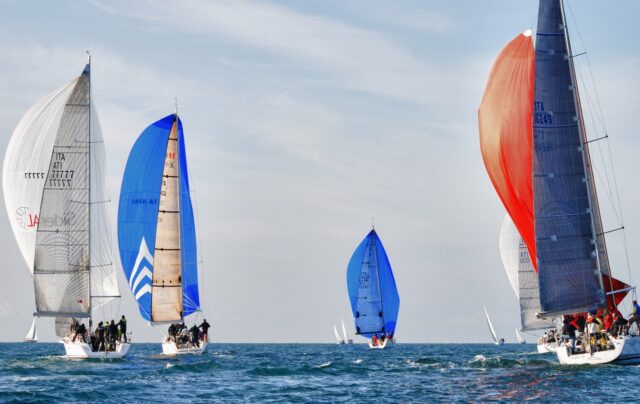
[372, 289]
[563, 212]
[138, 217]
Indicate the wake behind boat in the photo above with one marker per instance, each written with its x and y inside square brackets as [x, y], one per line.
[56, 195]
[373, 293]
[536, 150]
[157, 235]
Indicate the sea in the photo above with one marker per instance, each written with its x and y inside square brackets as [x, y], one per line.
[310, 373]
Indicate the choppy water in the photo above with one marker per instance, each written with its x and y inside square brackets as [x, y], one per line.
[310, 372]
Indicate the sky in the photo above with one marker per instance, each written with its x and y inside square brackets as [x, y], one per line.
[304, 122]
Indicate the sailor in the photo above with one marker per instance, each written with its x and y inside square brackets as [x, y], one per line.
[374, 340]
[569, 330]
[608, 320]
[122, 328]
[205, 330]
[172, 332]
[100, 336]
[82, 332]
[594, 328]
[113, 334]
[634, 317]
[184, 334]
[195, 335]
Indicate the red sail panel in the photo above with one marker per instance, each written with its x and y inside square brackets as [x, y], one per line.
[506, 128]
[611, 284]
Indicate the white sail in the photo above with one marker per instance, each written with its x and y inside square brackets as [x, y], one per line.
[493, 331]
[166, 303]
[56, 195]
[26, 163]
[344, 331]
[335, 332]
[519, 337]
[509, 251]
[32, 335]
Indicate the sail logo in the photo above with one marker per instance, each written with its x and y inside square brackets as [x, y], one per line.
[140, 278]
[26, 219]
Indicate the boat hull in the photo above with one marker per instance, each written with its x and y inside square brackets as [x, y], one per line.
[386, 343]
[626, 352]
[171, 348]
[82, 350]
[547, 348]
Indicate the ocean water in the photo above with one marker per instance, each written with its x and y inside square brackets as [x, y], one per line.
[310, 373]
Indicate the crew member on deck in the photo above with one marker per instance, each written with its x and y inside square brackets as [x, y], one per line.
[205, 330]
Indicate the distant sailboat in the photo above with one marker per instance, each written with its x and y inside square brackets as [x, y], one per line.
[372, 291]
[344, 333]
[56, 196]
[32, 335]
[338, 339]
[156, 230]
[520, 338]
[496, 340]
[536, 151]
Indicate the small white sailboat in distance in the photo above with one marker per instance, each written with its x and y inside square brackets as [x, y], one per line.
[496, 340]
[335, 332]
[32, 335]
[520, 338]
[344, 333]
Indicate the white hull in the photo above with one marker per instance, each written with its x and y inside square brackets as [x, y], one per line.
[547, 348]
[626, 352]
[171, 348]
[383, 346]
[82, 350]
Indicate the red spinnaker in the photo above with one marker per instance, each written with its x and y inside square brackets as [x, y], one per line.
[506, 129]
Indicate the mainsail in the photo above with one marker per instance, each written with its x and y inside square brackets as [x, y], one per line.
[335, 332]
[566, 215]
[156, 228]
[56, 195]
[32, 335]
[522, 276]
[372, 288]
[491, 329]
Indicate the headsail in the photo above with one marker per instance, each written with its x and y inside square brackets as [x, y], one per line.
[566, 214]
[32, 335]
[335, 332]
[522, 276]
[372, 288]
[344, 331]
[156, 229]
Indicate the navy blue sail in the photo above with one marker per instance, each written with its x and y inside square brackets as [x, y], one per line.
[372, 289]
[156, 228]
[566, 216]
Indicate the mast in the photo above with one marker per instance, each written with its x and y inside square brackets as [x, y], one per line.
[88, 69]
[375, 257]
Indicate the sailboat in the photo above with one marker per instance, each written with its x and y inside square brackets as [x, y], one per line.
[56, 195]
[344, 333]
[520, 338]
[339, 340]
[156, 231]
[496, 340]
[32, 334]
[372, 291]
[536, 151]
[524, 282]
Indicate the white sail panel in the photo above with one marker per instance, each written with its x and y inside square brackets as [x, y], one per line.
[493, 331]
[166, 300]
[61, 263]
[335, 332]
[26, 164]
[104, 284]
[32, 335]
[509, 251]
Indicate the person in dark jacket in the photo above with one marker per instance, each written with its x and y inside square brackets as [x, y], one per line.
[100, 336]
[569, 330]
[113, 334]
[195, 335]
[205, 330]
[122, 328]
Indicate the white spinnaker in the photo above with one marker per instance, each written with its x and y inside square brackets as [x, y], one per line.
[166, 295]
[509, 251]
[493, 331]
[335, 331]
[26, 163]
[104, 284]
